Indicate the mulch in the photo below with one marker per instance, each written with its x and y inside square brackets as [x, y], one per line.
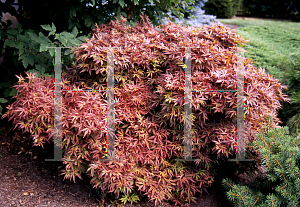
[26, 179]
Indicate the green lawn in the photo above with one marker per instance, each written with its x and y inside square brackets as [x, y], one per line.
[273, 44]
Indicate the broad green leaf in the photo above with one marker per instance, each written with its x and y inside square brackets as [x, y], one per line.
[64, 41]
[52, 51]
[43, 47]
[115, 1]
[22, 38]
[132, 23]
[75, 31]
[33, 36]
[67, 35]
[81, 38]
[12, 31]
[20, 29]
[94, 3]
[88, 21]
[3, 100]
[9, 43]
[118, 12]
[40, 68]
[21, 51]
[43, 38]
[6, 92]
[75, 42]
[67, 52]
[61, 38]
[13, 92]
[122, 3]
[51, 33]
[1, 113]
[72, 12]
[53, 28]
[124, 14]
[136, 2]
[24, 60]
[30, 59]
[47, 27]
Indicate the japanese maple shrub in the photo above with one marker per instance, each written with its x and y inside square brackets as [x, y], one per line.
[149, 108]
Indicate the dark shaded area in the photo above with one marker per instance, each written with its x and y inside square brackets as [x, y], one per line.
[278, 9]
[222, 8]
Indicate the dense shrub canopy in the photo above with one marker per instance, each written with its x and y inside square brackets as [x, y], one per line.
[149, 107]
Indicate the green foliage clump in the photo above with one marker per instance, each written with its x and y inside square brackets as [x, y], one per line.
[26, 50]
[32, 50]
[278, 182]
[222, 8]
[149, 91]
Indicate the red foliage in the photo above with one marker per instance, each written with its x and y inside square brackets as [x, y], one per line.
[149, 94]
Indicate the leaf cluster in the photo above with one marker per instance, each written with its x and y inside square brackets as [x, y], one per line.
[280, 158]
[149, 112]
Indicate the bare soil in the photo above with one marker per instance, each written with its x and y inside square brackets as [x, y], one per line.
[26, 179]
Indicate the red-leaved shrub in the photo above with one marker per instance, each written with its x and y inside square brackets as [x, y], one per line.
[149, 98]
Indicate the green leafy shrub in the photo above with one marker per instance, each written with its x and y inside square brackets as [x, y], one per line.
[278, 183]
[222, 8]
[27, 48]
[149, 108]
[30, 51]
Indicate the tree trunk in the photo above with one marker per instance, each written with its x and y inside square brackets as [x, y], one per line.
[131, 10]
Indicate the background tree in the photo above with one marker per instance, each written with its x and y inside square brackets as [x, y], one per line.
[222, 8]
[64, 21]
[281, 9]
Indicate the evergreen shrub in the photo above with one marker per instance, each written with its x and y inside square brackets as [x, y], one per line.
[278, 183]
[149, 108]
[222, 8]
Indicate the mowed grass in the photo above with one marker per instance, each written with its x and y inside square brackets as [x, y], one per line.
[273, 44]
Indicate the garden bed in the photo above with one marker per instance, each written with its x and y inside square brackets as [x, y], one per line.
[27, 180]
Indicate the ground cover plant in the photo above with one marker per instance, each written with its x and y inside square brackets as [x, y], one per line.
[275, 46]
[149, 108]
